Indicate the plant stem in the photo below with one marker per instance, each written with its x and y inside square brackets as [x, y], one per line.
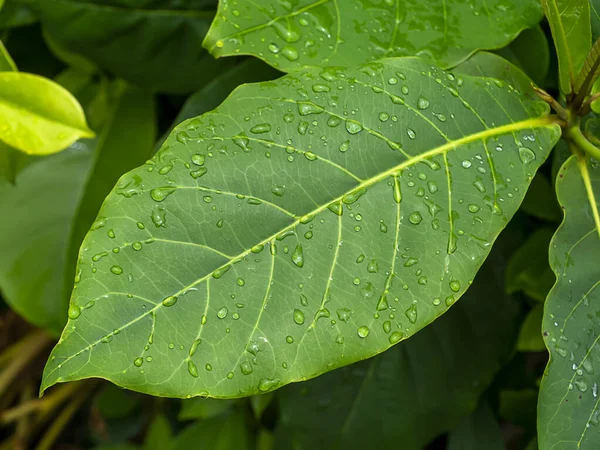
[29, 346]
[575, 135]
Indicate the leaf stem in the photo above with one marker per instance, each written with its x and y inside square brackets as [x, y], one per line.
[575, 135]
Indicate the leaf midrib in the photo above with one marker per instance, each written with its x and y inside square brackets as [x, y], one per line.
[539, 122]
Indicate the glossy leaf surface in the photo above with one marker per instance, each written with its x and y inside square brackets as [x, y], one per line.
[568, 414]
[289, 35]
[333, 210]
[157, 45]
[39, 117]
[571, 31]
[406, 395]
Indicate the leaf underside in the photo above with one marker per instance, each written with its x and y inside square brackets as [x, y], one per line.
[568, 409]
[303, 225]
[341, 32]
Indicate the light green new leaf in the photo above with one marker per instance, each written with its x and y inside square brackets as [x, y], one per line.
[38, 116]
[406, 395]
[290, 35]
[568, 408]
[305, 224]
[157, 45]
[572, 34]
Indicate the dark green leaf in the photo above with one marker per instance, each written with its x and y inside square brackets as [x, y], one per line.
[568, 406]
[260, 402]
[115, 403]
[299, 215]
[540, 200]
[478, 431]
[155, 45]
[530, 52]
[519, 407]
[6, 62]
[571, 31]
[291, 35]
[529, 270]
[15, 14]
[413, 392]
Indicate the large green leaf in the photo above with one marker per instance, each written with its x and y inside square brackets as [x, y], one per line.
[293, 34]
[39, 117]
[413, 392]
[157, 45]
[568, 413]
[572, 34]
[55, 200]
[305, 224]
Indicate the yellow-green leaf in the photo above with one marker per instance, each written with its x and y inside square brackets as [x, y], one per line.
[37, 115]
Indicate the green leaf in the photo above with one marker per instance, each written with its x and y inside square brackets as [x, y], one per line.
[291, 35]
[478, 431]
[222, 433]
[530, 337]
[203, 408]
[568, 414]
[39, 116]
[299, 215]
[571, 31]
[595, 16]
[528, 270]
[157, 47]
[530, 42]
[519, 407]
[6, 62]
[260, 402]
[54, 202]
[15, 14]
[413, 392]
[540, 200]
[159, 435]
[115, 403]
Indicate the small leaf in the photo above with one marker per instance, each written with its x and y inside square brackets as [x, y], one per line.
[528, 270]
[530, 337]
[226, 432]
[571, 31]
[159, 435]
[6, 62]
[568, 414]
[298, 216]
[203, 408]
[38, 116]
[291, 35]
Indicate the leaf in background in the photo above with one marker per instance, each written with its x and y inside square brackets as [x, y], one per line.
[528, 270]
[518, 407]
[299, 215]
[571, 31]
[530, 42]
[39, 117]
[478, 431]
[203, 408]
[595, 16]
[159, 48]
[114, 403]
[413, 392]
[159, 435]
[530, 337]
[291, 35]
[540, 200]
[568, 414]
[46, 206]
[15, 14]
[221, 433]
[261, 402]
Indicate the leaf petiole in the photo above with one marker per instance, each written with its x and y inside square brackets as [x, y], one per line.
[575, 135]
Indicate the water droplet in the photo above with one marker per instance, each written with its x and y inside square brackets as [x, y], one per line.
[344, 146]
[455, 285]
[363, 331]
[411, 133]
[222, 313]
[138, 362]
[194, 346]
[387, 326]
[220, 272]
[117, 270]
[336, 208]
[373, 266]
[466, 163]
[320, 88]
[159, 217]
[169, 301]
[298, 317]
[290, 53]
[415, 218]
[526, 155]
[298, 256]
[353, 127]
[411, 313]
[266, 384]
[246, 368]
[474, 208]
[384, 117]
[395, 337]
[192, 369]
[240, 282]
[423, 103]
[261, 128]
[306, 108]
[161, 193]
[344, 314]
[74, 311]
